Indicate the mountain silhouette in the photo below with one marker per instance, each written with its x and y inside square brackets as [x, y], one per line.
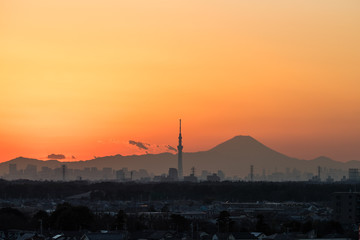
[237, 154]
[233, 157]
[246, 147]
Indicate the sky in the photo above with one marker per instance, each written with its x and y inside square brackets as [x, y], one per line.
[83, 78]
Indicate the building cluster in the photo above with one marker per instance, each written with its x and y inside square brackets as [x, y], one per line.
[205, 176]
[67, 174]
[246, 219]
[63, 173]
[322, 174]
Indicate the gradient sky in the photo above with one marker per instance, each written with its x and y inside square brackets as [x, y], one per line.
[83, 78]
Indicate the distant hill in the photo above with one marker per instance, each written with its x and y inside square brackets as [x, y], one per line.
[234, 157]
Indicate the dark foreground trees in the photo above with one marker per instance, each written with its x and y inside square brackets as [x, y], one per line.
[12, 218]
[204, 191]
[67, 217]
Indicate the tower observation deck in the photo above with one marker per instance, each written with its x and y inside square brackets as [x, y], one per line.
[180, 148]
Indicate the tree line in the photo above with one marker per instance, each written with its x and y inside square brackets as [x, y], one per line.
[221, 191]
[67, 217]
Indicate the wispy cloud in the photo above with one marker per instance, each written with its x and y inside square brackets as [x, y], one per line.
[139, 144]
[171, 148]
[56, 156]
[152, 148]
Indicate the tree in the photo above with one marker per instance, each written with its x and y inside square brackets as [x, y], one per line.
[121, 220]
[12, 218]
[41, 219]
[224, 222]
[68, 217]
[165, 208]
[261, 226]
[180, 222]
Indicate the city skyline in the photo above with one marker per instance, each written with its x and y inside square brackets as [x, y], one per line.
[179, 120]
[83, 79]
[232, 158]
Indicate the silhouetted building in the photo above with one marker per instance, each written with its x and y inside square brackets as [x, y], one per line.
[63, 172]
[143, 174]
[329, 179]
[173, 174]
[45, 173]
[346, 206]
[161, 178]
[314, 179]
[180, 148]
[30, 172]
[192, 177]
[252, 173]
[213, 178]
[221, 174]
[120, 175]
[204, 174]
[107, 173]
[354, 174]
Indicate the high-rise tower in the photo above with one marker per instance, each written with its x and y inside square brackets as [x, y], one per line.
[180, 148]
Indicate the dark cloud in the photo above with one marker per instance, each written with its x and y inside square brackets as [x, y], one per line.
[139, 144]
[56, 156]
[73, 157]
[171, 148]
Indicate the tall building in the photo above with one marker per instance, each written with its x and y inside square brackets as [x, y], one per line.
[354, 175]
[63, 172]
[173, 174]
[252, 173]
[120, 175]
[346, 207]
[180, 148]
[221, 174]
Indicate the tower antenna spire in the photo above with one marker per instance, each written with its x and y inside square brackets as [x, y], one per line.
[180, 148]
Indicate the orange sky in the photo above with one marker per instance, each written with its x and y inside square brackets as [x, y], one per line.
[83, 77]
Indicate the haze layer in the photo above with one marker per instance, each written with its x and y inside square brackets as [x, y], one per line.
[83, 78]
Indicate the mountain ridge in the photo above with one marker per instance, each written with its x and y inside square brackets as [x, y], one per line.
[233, 156]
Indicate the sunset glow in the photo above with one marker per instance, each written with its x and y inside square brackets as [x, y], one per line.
[82, 78]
